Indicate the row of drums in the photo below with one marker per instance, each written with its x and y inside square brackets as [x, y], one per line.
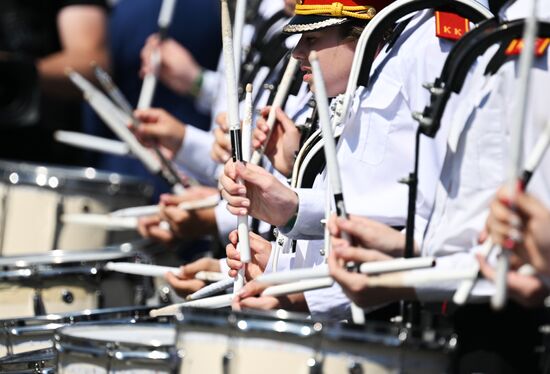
[127, 340]
[60, 311]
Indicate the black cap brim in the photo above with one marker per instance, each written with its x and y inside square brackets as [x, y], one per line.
[304, 23]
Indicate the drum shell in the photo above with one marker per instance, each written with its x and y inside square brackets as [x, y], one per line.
[120, 348]
[33, 198]
[219, 342]
[68, 281]
[382, 348]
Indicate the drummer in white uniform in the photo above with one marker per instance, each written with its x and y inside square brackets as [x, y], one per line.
[191, 151]
[376, 151]
[474, 168]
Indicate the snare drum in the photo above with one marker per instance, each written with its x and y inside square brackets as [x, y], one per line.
[67, 281]
[271, 342]
[22, 335]
[381, 348]
[37, 362]
[116, 347]
[33, 198]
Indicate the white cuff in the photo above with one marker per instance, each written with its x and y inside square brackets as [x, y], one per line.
[310, 213]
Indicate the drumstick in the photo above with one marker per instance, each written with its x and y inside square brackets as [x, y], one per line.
[101, 220]
[168, 170]
[93, 143]
[370, 268]
[214, 302]
[397, 280]
[333, 170]
[243, 245]
[212, 289]
[282, 93]
[148, 210]
[115, 119]
[240, 14]
[533, 161]
[298, 287]
[247, 124]
[147, 270]
[150, 79]
[111, 88]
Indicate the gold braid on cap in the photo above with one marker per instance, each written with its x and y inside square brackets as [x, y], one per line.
[337, 10]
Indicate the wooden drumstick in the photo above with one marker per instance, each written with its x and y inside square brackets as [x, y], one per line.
[150, 79]
[280, 96]
[517, 135]
[148, 270]
[240, 15]
[115, 119]
[369, 268]
[140, 211]
[211, 289]
[234, 131]
[91, 142]
[394, 280]
[333, 170]
[214, 302]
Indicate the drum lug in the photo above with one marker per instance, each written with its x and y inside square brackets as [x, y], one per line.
[164, 295]
[315, 366]
[67, 297]
[38, 304]
[226, 362]
[355, 368]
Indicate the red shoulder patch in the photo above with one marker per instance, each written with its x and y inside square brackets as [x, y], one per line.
[450, 26]
[516, 46]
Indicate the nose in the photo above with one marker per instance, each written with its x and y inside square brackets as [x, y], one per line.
[300, 52]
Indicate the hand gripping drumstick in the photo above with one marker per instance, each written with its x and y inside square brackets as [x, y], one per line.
[370, 268]
[111, 88]
[150, 79]
[115, 119]
[234, 131]
[126, 219]
[168, 170]
[333, 171]
[211, 289]
[147, 270]
[517, 180]
[282, 93]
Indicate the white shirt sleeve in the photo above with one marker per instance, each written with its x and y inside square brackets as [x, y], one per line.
[194, 156]
[310, 213]
[208, 91]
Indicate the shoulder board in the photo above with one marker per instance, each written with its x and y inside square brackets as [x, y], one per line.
[516, 46]
[450, 26]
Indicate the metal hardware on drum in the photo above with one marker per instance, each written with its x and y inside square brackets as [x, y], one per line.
[33, 197]
[69, 281]
[109, 347]
[35, 362]
[22, 335]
